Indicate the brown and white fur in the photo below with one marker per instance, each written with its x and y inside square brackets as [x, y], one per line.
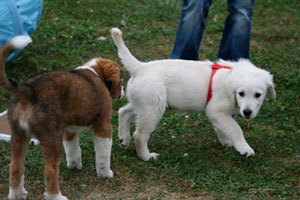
[55, 107]
[183, 85]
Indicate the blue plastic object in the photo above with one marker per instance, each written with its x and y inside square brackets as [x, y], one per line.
[18, 17]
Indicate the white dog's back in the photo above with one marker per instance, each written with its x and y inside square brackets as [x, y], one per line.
[182, 85]
[170, 81]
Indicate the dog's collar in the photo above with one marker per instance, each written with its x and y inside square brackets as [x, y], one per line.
[214, 67]
[87, 67]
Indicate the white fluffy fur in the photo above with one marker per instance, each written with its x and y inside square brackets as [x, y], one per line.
[20, 41]
[58, 196]
[18, 193]
[183, 85]
[72, 148]
[103, 153]
[24, 126]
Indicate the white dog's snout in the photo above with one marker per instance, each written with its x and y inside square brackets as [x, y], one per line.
[247, 113]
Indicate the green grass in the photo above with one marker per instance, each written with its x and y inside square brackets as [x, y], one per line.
[192, 163]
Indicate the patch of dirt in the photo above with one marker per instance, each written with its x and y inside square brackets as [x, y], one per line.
[150, 193]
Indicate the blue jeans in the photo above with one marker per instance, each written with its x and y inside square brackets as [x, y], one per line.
[235, 41]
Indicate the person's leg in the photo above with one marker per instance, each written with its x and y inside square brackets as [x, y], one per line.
[235, 42]
[190, 29]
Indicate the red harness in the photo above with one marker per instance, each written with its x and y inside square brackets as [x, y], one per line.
[214, 67]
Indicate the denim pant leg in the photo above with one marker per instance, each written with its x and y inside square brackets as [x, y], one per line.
[235, 41]
[190, 29]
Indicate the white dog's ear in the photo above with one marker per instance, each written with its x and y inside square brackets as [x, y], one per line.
[271, 88]
[231, 92]
[271, 91]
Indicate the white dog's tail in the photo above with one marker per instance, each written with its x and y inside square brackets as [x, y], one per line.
[128, 60]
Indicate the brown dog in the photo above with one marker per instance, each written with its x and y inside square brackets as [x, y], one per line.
[55, 107]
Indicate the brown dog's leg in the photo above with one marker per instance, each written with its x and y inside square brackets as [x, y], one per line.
[52, 151]
[103, 142]
[19, 143]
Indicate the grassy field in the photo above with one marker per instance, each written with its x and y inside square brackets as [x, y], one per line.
[192, 163]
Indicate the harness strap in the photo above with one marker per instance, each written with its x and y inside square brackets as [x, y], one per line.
[214, 67]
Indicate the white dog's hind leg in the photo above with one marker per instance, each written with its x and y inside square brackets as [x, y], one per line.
[141, 142]
[126, 115]
[231, 130]
[146, 123]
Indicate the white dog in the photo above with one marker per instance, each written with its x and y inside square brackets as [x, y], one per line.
[184, 85]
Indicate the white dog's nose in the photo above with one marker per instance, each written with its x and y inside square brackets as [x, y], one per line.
[247, 113]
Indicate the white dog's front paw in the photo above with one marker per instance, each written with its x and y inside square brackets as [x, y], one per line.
[226, 143]
[17, 194]
[105, 174]
[74, 163]
[58, 196]
[153, 156]
[248, 151]
[150, 156]
[124, 141]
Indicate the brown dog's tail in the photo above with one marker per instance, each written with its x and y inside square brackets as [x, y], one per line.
[21, 91]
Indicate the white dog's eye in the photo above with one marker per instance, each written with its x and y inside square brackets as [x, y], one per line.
[257, 95]
[241, 94]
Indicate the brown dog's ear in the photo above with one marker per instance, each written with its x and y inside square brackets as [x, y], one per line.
[109, 71]
[114, 88]
[108, 85]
